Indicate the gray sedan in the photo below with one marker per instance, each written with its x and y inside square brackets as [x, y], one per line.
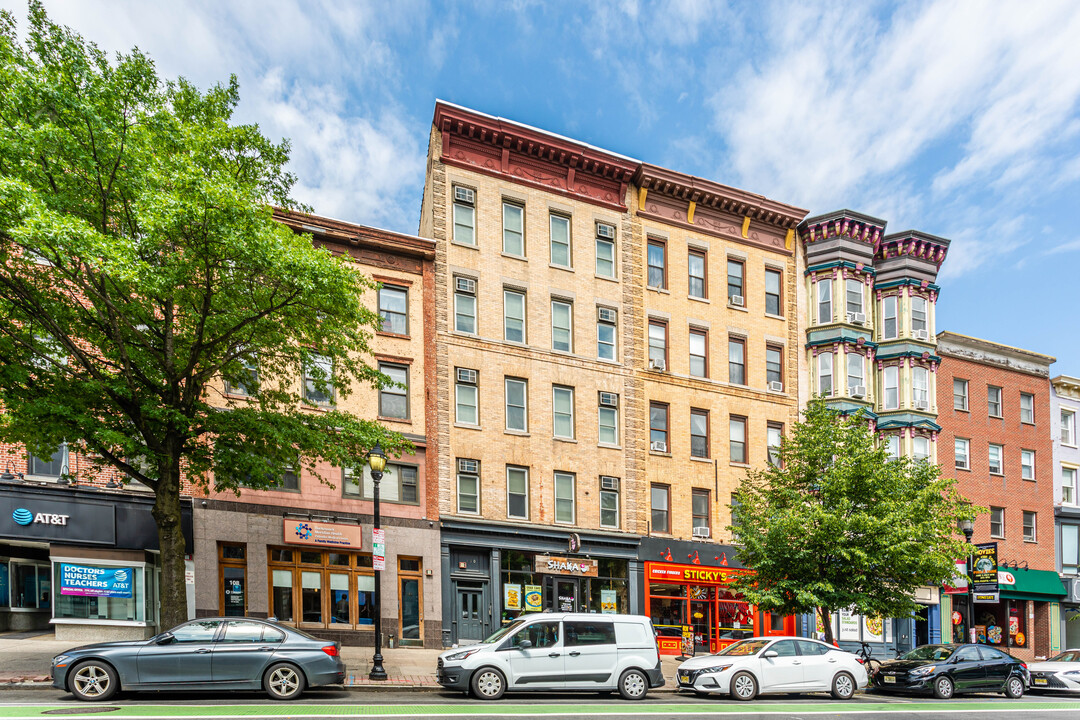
[211, 654]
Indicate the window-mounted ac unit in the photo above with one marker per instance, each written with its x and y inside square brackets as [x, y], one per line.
[858, 391]
[657, 364]
[606, 314]
[737, 300]
[658, 446]
[857, 318]
[464, 195]
[701, 532]
[920, 335]
[922, 405]
[609, 483]
[605, 231]
[609, 399]
[464, 375]
[468, 466]
[466, 285]
[776, 386]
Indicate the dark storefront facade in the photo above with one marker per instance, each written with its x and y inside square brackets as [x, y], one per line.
[81, 560]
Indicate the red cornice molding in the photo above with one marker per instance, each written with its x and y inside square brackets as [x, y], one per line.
[331, 231]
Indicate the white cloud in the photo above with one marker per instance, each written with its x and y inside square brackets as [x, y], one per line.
[1071, 246]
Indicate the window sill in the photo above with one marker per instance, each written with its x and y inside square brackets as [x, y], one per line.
[237, 396]
[663, 291]
[606, 277]
[956, 409]
[740, 308]
[565, 268]
[775, 317]
[511, 256]
[1031, 542]
[403, 421]
[1027, 423]
[565, 440]
[997, 474]
[776, 392]
[466, 426]
[393, 335]
[609, 446]
[659, 454]
[699, 299]
[739, 464]
[997, 537]
[517, 433]
[1068, 445]
[304, 405]
[462, 333]
[996, 417]
[382, 500]
[467, 246]
[965, 469]
[1030, 480]
[694, 458]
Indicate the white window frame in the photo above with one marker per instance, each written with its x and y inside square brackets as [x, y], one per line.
[610, 244]
[890, 313]
[964, 453]
[1029, 410]
[525, 471]
[964, 395]
[853, 287]
[569, 244]
[920, 441]
[855, 361]
[564, 476]
[479, 494]
[515, 296]
[1000, 522]
[555, 390]
[890, 384]
[892, 446]
[462, 297]
[64, 463]
[618, 520]
[990, 389]
[507, 381]
[1000, 459]
[920, 385]
[614, 344]
[600, 426]
[1070, 497]
[824, 307]
[320, 360]
[560, 305]
[919, 307]
[1027, 464]
[1034, 536]
[823, 359]
[468, 209]
[508, 232]
[475, 388]
[1068, 427]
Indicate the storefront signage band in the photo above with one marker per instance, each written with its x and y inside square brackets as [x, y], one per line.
[307, 532]
[665, 572]
[579, 567]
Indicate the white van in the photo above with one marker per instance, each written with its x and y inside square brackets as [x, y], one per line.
[559, 651]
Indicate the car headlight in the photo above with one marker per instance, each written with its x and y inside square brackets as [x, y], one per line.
[1072, 673]
[60, 660]
[924, 670]
[459, 656]
[714, 669]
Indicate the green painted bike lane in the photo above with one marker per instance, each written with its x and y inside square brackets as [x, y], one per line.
[512, 710]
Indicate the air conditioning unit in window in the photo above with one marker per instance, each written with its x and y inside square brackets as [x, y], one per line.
[609, 399]
[465, 375]
[468, 466]
[857, 391]
[604, 314]
[776, 386]
[466, 285]
[609, 483]
[920, 334]
[737, 300]
[856, 318]
[464, 195]
[658, 446]
[657, 364]
[605, 231]
[702, 533]
[922, 405]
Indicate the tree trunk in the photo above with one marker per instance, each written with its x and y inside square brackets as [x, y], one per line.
[167, 515]
[825, 616]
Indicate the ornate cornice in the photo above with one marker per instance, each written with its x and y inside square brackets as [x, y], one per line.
[843, 224]
[985, 352]
[914, 244]
[528, 156]
[1066, 386]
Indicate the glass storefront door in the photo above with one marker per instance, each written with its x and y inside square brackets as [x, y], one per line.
[567, 593]
[409, 598]
[234, 590]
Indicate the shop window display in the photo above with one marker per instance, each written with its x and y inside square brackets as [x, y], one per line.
[524, 590]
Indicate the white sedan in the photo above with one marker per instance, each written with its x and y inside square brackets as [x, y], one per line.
[1061, 672]
[757, 666]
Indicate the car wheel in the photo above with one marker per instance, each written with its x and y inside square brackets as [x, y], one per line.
[284, 682]
[93, 680]
[488, 684]
[1014, 688]
[943, 688]
[843, 686]
[743, 686]
[633, 685]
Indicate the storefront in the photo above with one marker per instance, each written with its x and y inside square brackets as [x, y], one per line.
[692, 599]
[81, 560]
[494, 573]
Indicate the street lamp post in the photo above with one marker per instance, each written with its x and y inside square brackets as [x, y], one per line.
[377, 463]
[968, 528]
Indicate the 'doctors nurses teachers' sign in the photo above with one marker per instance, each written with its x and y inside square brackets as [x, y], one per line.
[92, 581]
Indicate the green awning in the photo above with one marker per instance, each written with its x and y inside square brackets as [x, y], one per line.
[1031, 585]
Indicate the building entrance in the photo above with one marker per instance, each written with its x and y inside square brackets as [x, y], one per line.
[567, 593]
[470, 612]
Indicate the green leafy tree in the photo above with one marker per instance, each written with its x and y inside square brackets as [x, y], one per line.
[140, 264]
[836, 524]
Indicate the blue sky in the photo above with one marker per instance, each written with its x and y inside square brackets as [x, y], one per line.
[961, 119]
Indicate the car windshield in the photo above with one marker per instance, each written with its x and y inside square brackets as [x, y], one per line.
[744, 647]
[503, 632]
[1067, 656]
[928, 652]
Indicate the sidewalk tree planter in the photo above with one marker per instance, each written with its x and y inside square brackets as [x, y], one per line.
[836, 524]
[140, 267]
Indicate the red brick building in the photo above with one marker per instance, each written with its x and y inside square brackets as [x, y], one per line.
[996, 442]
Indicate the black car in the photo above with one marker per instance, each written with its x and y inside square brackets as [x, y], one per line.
[946, 670]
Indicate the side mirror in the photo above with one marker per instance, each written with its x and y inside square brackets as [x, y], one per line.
[165, 638]
[524, 645]
[770, 654]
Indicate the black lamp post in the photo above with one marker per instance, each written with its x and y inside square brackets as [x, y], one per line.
[377, 463]
[968, 528]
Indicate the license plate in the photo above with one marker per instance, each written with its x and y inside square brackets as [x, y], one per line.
[1039, 681]
[888, 679]
[684, 678]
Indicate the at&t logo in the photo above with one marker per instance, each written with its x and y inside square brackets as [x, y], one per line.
[22, 516]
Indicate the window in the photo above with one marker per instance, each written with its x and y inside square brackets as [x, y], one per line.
[563, 412]
[918, 314]
[699, 353]
[962, 449]
[1027, 408]
[658, 427]
[196, 632]
[920, 447]
[892, 446]
[517, 492]
[605, 250]
[1068, 427]
[824, 363]
[1068, 486]
[774, 365]
[513, 229]
[891, 382]
[737, 439]
[464, 216]
[960, 395]
[920, 388]
[658, 344]
[250, 632]
[517, 416]
[605, 333]
[468, 487]
[394, 309]
[564, 498]
[49, 466]
[994, 454]
[608, 418]
[1027, 464]
[514, 316]
[997, 522]
[772, 291]
[399, 484]
[699, 509]
[699, 433]
[609, 502]
[855, 373]
[824, 301]
[318, 378]
[560, 241]
[737, 361]
[465, 305]
[698, 284]
[541, 635]
[735, 273]
[854, 295]
[1070, 549]
[661, 521]
[993, 400]
[289, 480]
[466, 397]
[657, 252]
[774, 436]
[394, 401]
[888, 325]
[562, 332]
[1029, 526]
